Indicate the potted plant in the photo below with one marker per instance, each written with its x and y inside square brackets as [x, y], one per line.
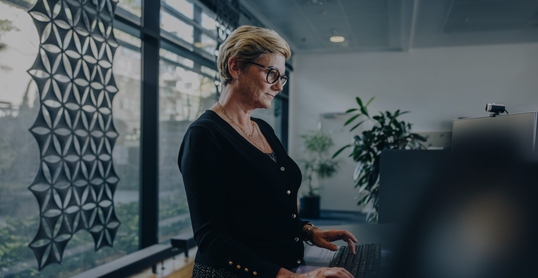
[387, 133]
[316, 167]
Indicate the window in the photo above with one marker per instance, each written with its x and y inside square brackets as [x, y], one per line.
[20, 157]
[134, 7]
[176, 27]
[186, 88]
[19, 153]
[184, 7]
[190, 24]
[183, 96]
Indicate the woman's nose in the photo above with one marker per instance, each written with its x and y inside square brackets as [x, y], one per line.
[278, 86]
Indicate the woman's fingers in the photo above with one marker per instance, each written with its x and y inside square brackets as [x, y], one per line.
[337, 234]
[349, 239]
[325, 237]
[351, 236]
[351, 246]
[328, 245]
[345, 235]
[335, 272]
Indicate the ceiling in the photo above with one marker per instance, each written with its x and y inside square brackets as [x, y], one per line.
[397, 25]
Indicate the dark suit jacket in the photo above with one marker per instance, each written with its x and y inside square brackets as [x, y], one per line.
[243, 205]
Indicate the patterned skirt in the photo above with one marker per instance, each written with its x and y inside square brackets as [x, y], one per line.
[204, 271]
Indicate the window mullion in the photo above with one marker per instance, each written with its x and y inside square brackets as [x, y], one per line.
[149, 174]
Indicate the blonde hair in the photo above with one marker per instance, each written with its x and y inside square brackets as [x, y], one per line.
[247, 44]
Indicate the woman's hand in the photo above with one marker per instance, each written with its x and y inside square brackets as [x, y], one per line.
[321, 272]
[323, 238]
[327, 272]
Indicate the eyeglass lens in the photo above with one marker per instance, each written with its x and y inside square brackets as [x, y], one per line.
[274, 75]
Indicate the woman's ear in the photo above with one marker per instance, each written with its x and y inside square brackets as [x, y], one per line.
[233, 67]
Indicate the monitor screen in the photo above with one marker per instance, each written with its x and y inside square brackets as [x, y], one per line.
[515, 133]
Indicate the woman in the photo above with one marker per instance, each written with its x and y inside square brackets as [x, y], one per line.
[241, 185]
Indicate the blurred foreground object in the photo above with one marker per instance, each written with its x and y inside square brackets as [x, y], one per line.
[479, 218]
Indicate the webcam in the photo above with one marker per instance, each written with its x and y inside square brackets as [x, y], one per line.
[496, 108]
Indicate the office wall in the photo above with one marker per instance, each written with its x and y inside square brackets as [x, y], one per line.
[436, 84]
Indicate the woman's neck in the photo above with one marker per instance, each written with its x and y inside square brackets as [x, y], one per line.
[235, 108]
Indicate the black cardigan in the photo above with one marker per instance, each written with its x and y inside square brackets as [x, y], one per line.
[243, 205]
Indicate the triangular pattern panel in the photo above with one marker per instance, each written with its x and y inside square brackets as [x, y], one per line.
[75, 184]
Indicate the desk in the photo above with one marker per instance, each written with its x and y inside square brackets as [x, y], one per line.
[388, 235]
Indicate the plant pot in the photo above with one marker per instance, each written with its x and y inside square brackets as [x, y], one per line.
[309, 207]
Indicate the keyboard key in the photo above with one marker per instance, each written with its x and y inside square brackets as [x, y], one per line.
[344, 257]
[337, 257]
[363, 264]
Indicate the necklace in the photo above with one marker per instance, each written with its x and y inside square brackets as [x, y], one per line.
[265, 145]
[229, 118]
[272, 156]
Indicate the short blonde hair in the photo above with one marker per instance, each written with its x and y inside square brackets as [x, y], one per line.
[247, 44]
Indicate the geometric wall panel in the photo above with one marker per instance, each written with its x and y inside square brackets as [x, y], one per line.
[227, 15]
[76, 181]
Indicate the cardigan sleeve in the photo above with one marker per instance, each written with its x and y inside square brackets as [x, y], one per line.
[203, 164]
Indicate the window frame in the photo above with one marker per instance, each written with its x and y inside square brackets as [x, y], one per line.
[153, 38]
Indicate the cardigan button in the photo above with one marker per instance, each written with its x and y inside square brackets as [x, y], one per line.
[293, 215]
[282, 168]
[288, 192]
[230, 263]
[246, 269]
[296, 239]
[254, 273]
[298, 261]
[238, 267]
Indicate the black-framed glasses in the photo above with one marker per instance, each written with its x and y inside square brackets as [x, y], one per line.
[273, 75]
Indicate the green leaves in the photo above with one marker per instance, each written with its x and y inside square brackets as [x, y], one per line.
[363, 111]
[340, 150]
[363, 108]
[326, 168]
[357, 125]
[387, 133]
[369, 101]
[317, 144]
[359, 101]
[352, 119]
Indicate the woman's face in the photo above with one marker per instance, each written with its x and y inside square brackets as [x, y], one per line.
[253, 85]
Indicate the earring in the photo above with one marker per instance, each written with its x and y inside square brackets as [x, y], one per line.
[237, 77]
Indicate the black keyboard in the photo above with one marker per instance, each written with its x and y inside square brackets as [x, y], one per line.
[365, 264]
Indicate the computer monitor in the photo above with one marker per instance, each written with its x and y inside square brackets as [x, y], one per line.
[404, 177]
[514, 133]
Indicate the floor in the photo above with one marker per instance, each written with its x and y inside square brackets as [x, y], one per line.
[181, 267]
[176, 267]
